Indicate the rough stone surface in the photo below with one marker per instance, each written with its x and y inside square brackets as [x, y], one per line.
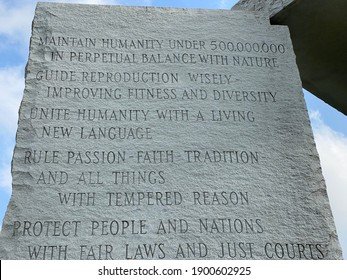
[318, 32]
[151, 133]
[269, 7]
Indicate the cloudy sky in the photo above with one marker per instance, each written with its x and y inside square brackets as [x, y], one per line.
[329, 126]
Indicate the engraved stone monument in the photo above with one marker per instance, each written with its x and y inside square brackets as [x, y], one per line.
[155, 133]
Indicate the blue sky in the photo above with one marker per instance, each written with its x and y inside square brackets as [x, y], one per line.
[329, 125]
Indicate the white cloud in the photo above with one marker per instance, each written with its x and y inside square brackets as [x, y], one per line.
[222, 3]
[226, 4]
[11, 91]
[332, 149]
[6, 178]
[15, 24]
[136, 2]
[147, 2]
[15, 21]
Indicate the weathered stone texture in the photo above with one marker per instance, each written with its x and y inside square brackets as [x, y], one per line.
[152, 133]
[270, 7]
